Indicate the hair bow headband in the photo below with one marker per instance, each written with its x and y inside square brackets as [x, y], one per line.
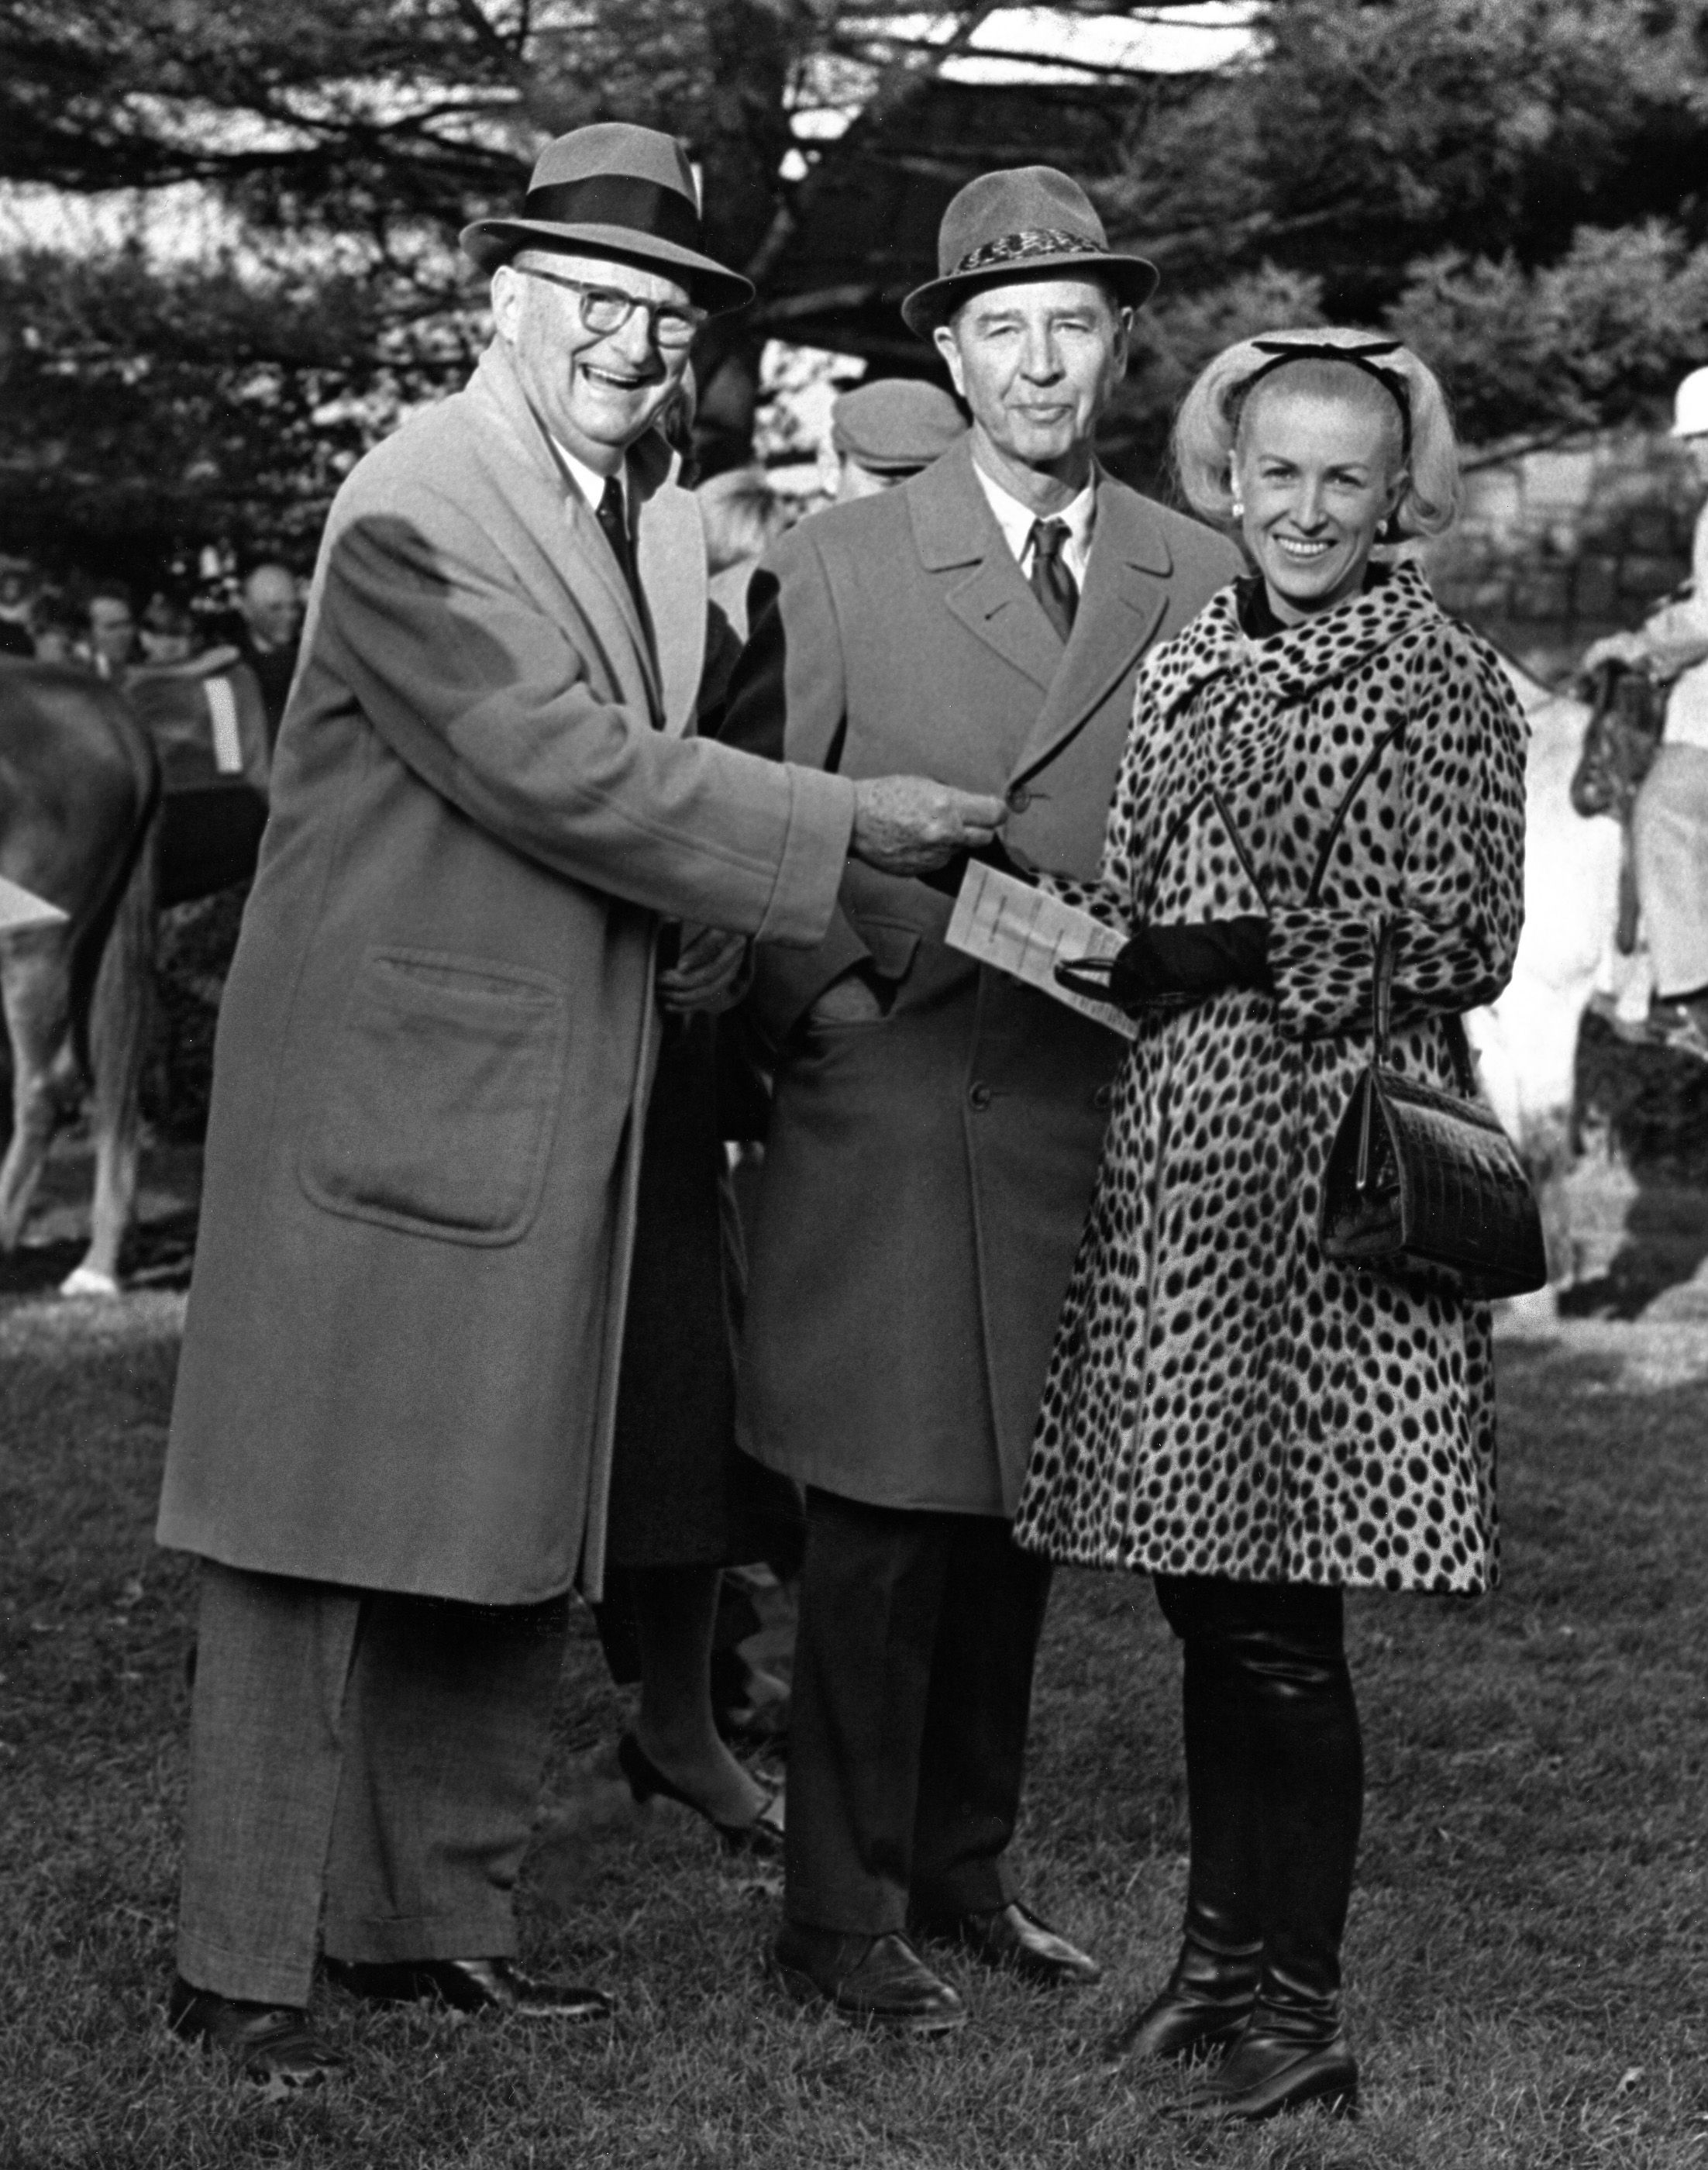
[1282, 352]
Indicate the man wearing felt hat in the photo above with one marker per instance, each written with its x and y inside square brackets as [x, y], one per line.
[390, 1444]
[936, 1127]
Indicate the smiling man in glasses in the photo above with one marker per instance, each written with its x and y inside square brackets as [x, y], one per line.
[392, 1441]
[599, 349]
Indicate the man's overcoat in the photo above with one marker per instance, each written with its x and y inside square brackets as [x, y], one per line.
[401, 1350]
[928, 1175]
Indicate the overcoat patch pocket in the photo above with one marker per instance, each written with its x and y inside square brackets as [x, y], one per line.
[440, 1097]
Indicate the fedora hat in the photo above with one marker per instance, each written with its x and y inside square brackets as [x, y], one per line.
[612, 189]
[1024, 222]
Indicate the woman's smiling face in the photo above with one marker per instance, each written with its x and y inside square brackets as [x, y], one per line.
[1317, 471]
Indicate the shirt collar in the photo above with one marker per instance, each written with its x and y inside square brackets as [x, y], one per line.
[1016, 519]
[590, 484]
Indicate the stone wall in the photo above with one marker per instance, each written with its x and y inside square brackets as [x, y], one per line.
[1555, 547]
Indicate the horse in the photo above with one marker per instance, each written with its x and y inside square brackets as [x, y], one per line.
[113, 803]
[79, 787]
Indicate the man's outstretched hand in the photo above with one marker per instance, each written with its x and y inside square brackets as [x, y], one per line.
[905, 824]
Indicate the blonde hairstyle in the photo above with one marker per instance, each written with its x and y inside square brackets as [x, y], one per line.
[1207, 430]
[743, 516]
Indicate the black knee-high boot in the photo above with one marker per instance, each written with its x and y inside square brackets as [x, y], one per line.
[1208, 1998]
[1308, 1772]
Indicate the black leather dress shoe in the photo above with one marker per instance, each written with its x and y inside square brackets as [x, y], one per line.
[1270, 2069]
[467, 1985]
[272, 2045]
[881, 1982]
[1013, 1937]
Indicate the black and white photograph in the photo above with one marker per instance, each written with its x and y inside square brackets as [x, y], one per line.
[854, 1207]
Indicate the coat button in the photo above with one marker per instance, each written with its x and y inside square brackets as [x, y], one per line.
[1103, 1098]
[1019, 798]
[978, 1096]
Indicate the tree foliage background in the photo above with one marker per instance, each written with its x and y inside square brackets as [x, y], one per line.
[1516, 185]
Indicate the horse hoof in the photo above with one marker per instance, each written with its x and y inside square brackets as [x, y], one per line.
[84, 1281]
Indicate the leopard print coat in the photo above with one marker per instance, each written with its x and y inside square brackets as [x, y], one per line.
[1221, 1400]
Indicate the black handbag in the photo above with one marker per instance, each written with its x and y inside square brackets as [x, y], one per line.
[1422, 1184]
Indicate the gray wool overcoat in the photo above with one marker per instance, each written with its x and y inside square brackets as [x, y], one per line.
[927, 1175]
[434, 1051]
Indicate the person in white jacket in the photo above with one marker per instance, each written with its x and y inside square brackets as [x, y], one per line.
[1670, 821]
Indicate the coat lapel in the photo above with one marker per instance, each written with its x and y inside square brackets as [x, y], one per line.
[1126, 592]
[593, 554]
[954, 526]
[1211, 646]
[586, 564]
[671, 552]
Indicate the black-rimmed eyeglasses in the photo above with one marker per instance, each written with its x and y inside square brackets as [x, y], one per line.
[607, 309]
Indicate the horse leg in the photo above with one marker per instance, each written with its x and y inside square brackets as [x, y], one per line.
[1526, 1048]
[121, 1012]
[1549, 1158]
[33, 978]
[96, 1273]
[1544, 1146]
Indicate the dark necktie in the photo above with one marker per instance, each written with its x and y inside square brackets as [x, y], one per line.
[1051, 581]
[613, 517]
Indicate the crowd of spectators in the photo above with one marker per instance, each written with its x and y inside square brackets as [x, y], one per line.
[98, 625]
[882, 433]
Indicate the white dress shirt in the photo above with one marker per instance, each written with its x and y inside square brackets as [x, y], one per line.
[1016, 519]
[590, 484]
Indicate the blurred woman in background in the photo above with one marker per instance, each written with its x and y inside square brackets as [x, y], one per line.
[743, 516]
[1669, 820]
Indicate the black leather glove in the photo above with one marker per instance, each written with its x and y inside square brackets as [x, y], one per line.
[1175, 967]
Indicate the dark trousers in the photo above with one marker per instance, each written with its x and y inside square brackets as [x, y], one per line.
[1274, 1766]
[383, 1751]
[907, 1733]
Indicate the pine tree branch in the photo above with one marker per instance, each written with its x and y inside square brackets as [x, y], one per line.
[494, 44]
[897, 83]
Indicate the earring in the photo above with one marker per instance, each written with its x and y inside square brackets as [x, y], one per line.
[1238, 509]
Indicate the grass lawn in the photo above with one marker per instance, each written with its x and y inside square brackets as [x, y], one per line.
[1526, 1954]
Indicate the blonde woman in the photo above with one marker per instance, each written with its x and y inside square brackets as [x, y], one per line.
[1322, 753]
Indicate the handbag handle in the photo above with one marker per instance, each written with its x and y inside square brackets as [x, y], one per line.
[1382, 995]
[1382, 1014]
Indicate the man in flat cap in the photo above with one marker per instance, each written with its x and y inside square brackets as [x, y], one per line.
[882, 434]
[937, 1126]
[390, 1444]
